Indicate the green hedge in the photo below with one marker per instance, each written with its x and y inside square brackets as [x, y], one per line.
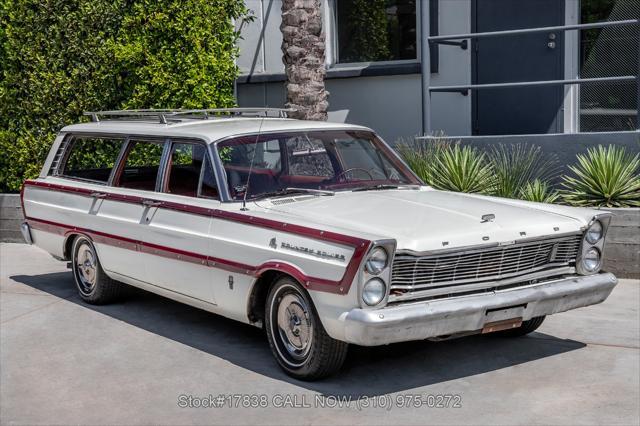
[59, 58]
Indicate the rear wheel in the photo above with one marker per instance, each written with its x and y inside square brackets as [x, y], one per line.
[527, 327]
[94, 286]
[296, 336]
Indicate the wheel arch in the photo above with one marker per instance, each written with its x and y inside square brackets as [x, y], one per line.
[67, 245]
[268, 274]
[69, 239]
[260, 292]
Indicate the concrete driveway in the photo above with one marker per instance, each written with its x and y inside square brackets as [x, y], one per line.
[141, 360]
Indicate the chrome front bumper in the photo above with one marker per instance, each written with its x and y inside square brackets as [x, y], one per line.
[422, 320]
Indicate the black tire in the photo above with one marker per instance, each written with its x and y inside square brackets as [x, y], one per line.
[527, 327]
[303, 348]
[93, 284]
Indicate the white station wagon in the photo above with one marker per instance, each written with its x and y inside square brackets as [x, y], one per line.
[317, 232]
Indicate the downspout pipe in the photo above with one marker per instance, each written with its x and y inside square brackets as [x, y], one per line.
[425, 67]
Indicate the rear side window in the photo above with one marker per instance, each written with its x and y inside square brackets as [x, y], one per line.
[141, 165]
[91, 158]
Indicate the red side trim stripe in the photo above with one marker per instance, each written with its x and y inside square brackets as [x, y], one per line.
[342, 286]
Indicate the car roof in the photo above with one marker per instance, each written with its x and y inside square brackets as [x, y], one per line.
[209, 130]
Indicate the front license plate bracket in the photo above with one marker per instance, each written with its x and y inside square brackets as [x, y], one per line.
[507, 324]
[505, 318]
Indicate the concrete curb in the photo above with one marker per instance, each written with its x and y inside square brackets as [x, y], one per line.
[622, 244]
[10, 218]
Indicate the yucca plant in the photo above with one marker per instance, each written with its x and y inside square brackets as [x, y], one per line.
[518, 165]
[462, 169]
[604, 177]
[539, 191]
[421, 155]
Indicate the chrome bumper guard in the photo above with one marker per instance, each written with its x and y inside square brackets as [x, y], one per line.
[422, 320]
[26, 232]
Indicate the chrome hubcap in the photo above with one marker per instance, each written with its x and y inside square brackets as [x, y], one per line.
[86, 268]
[294, 326]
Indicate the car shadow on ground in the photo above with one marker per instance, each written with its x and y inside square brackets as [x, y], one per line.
[367, 371]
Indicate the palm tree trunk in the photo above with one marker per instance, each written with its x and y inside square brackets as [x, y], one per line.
[303, 54]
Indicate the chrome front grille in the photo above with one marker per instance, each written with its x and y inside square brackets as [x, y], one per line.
[467, 270]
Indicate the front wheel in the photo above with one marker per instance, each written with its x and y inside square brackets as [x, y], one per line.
[296, 336]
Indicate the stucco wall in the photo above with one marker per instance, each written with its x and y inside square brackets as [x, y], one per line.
[391, 104]
[564, 146]
[388, 104]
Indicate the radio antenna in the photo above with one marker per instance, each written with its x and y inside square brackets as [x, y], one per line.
[255, 149]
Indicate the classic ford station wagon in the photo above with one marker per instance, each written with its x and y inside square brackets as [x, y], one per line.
[316, 232]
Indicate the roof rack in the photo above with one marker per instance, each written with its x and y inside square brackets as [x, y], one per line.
[164, 116]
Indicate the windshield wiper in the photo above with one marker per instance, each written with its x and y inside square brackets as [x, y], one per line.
[384, 186]
[288, 191]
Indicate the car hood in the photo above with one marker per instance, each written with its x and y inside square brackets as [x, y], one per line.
[428, 219]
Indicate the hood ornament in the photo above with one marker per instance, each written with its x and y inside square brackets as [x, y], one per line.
[487, 218]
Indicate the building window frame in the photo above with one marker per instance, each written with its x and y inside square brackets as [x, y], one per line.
[331, 42]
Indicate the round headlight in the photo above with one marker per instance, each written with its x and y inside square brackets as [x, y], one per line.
[373, 291]
[594, 233]
[591, 260]
[377, 261]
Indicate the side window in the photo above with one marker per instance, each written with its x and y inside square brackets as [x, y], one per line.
[141, 165]
[208, 185]
[91, 158]
[185, 168]
[262, 158]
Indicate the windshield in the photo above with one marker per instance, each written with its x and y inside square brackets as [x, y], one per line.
[313, 160]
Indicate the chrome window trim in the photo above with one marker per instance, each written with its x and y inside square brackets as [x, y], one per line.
[67, 144]
[223, 175]
[139, 136]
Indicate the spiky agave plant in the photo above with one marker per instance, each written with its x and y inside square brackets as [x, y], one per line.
[517, 165]
[421, 155]
[539, 191]
[604, 177]
[462, 169]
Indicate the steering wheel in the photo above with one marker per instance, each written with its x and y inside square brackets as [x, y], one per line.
[344, 172]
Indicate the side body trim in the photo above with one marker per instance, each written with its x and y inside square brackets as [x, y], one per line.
[360, 246]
